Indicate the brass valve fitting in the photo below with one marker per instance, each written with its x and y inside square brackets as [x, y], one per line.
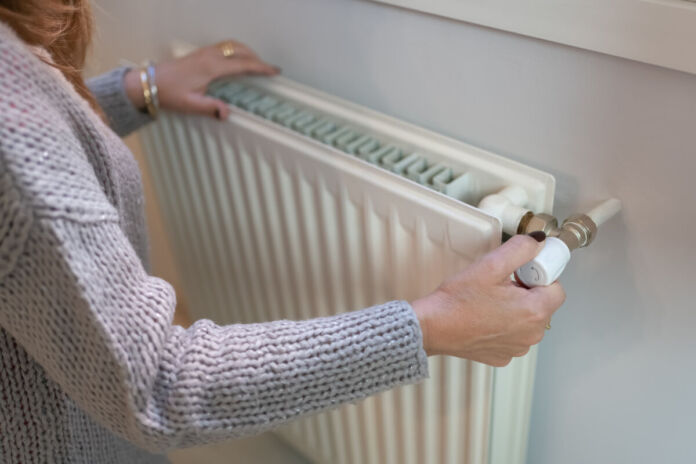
[576, 232]
[544, 222]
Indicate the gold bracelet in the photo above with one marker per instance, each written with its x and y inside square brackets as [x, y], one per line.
[147, 93]
[154, 93]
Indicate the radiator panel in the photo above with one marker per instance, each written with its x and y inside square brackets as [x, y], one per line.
[269, 224]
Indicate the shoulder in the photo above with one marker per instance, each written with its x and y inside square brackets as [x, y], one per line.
[42, 154]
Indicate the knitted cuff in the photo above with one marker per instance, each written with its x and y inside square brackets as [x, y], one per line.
[110, 93]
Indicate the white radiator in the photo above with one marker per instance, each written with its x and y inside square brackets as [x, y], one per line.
[304, 205]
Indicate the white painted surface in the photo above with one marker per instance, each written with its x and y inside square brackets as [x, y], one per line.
[615, 375]
[284, 226]
[659, 32]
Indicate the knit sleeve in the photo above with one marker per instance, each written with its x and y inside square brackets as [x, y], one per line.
[80, 302]
[110, 93]
[15, 222]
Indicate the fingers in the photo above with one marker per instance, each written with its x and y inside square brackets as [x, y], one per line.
[547, 299]
[249, 65]
[207, 106]
[239, 49]
[497, 360]
[500, 263]
[521, 352]
[241, 65]
[242, 61]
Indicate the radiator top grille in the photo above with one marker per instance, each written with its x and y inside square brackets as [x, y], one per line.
[414, 165]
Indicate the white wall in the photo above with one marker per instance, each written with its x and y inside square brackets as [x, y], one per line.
[616, 375]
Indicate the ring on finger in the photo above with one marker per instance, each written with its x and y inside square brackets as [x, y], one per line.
[227, 49]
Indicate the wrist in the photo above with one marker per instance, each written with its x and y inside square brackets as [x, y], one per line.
[425, 309]
[134, 89]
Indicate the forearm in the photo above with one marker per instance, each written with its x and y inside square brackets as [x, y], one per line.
[239, 380]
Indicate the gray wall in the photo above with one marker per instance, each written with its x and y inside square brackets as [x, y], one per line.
[616, 374]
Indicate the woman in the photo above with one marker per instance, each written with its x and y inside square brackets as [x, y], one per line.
[92, 368]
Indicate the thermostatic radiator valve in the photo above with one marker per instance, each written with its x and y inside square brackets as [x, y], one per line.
[577, 231]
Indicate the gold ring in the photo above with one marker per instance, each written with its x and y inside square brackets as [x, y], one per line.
[548, 325]
[227, 49]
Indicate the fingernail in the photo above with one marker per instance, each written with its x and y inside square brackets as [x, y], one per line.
[217, 113]
[538, 235]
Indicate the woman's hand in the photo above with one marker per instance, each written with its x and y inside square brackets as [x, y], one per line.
[182, 82]
[480, 314]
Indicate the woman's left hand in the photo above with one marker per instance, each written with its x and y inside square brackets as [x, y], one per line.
[182, 82]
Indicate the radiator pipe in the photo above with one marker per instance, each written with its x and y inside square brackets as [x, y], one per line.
[508, 205]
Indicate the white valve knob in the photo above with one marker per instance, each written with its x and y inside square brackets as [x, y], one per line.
[548, 265]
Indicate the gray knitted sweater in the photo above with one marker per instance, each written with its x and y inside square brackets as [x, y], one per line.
[92, 370]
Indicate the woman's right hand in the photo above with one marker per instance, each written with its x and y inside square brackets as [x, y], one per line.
[480, 314]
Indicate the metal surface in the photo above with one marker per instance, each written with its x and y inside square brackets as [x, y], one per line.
[268, 223]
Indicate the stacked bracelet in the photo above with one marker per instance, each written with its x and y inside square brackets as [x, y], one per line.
[147, 79]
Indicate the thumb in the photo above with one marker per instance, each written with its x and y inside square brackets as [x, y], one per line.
[504, 260]
[207, 106]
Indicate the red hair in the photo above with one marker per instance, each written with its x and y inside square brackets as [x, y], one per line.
[62, 27]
